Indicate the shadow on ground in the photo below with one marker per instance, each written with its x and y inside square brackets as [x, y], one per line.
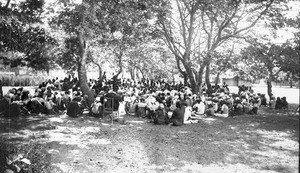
[260, 143]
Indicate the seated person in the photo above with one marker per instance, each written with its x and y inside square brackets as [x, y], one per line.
[200, 108]
[96, 107]
[238, 107]
[272, 103]
[178, 115]
[224, 110]
[75, 108]
[141, 108]
[187, 114]
[285, 104]
[278, 103]
[263, 100]
[160, 116]
[152, 106]
[210, 110]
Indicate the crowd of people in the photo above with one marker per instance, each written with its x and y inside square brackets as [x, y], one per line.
[162, 102]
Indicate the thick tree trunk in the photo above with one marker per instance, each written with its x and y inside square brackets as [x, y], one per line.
[82, 74]
[269, 87]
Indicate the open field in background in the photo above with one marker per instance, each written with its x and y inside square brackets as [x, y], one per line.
[292, 94]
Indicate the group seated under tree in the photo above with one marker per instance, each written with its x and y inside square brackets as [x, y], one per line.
[160, 101]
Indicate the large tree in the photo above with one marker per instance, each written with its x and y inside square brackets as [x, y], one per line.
[99, 21]
[264, 60]
[202, 27]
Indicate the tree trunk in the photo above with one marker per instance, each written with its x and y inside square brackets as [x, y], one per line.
[132, 74]
[82, 74]
[185, 79]
[207, 79]
[269, 85]
[100, 73]
[199, 82]
[217, 79]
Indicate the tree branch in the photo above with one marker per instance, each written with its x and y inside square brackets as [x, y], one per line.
[7, 4]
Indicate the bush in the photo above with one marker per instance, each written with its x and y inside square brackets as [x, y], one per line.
[21, 80]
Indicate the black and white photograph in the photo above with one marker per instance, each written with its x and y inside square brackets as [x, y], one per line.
[149, 86]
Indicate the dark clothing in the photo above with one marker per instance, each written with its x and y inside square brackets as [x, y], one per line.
[278, 104]
[285, 104]
[36, 107]
[263, 101]
[160, 117]
[74, 109]
[4, 106]
[178, 116]
[141, 111]
[210, 112]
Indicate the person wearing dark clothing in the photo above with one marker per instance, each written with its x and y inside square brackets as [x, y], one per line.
[178, 115]
[75, 109]
[278, 104]
[285, 104]
[263, 100]
[160, 117]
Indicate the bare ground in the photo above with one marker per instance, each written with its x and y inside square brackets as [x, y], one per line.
[268, 142]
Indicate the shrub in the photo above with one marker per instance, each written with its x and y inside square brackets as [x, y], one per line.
[21, 80]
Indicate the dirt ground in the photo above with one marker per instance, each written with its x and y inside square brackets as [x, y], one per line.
[268, 142]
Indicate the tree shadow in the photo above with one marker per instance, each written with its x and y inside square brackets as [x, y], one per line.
[255, 142]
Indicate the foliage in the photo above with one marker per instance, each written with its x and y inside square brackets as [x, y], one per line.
[21, 80]
[152, 60]
[201, 27]
[114, 25]
[290, 61]
[21, 32]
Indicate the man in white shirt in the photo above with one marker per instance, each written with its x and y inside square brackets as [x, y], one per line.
[200, 108]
